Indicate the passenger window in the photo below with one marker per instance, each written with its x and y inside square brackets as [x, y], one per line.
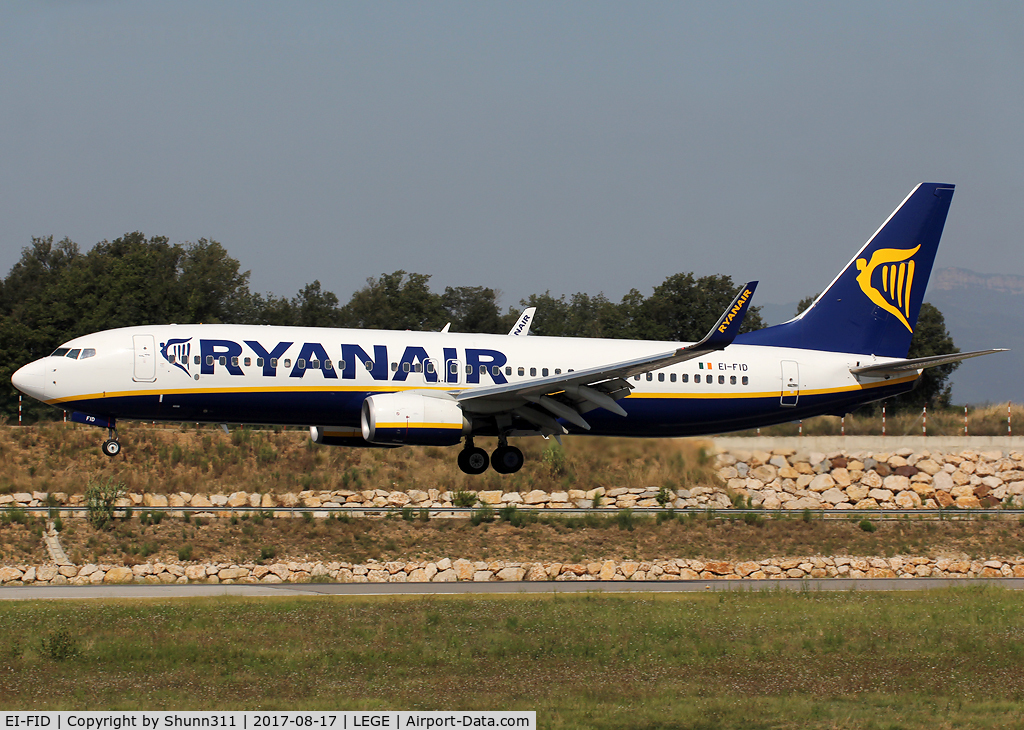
[368, 365]
[696, 378]
[259, 362]
[209, 359]
[287, 362]
[314, 364]
[418, 367]
[273, 362]
[721, 380]
[430, 366]
[453, 367]
[60, 352]
[732, 380]
[170, 359]
[394, 367]
[248, 361]
[495, 370]
[672, 377]
[650, 377]
[636, 377]
[301, 363]
[533, 372]
[544, 372]
[521, 371]
[745, 380]
[469, 369]
[87, 352]
[686, 377]
[558, 371]
[508, 370]
[661, 377]
[234, 362]
[197, 360]
[74, 354]
[405, 367]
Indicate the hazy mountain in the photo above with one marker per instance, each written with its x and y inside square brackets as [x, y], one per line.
[982, 311]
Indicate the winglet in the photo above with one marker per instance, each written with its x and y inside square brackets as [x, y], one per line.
[723, 333]
[522, 326]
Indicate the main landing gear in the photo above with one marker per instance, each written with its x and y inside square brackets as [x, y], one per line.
[505, 459]
[111, 447]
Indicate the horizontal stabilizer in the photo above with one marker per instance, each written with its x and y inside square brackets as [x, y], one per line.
[896, 367]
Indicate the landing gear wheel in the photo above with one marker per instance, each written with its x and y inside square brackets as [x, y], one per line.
[111, 448]
[507, 460]
[473, 460]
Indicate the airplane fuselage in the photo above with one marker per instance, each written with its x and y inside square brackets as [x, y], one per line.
[306, 376]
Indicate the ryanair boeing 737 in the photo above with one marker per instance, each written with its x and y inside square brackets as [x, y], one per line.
[389, 388]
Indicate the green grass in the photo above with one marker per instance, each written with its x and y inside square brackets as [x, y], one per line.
[940, 659]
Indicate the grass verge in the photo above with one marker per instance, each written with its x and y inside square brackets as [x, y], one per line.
[939, 659]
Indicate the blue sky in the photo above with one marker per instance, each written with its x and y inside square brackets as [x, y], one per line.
[524, 146]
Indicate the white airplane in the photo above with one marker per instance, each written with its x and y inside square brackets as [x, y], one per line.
[392, 388]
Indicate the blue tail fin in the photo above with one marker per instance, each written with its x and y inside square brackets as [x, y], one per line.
[872, 306]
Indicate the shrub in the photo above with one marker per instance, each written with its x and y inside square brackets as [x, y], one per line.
[185, 552]
[100, 497]
[807, 515]
[554, 459]
[867, 525]
[665, 497]
[58, 524]
[60, 645]
[407, 514]
[464, 499]
[507, 513]
[307, 517]
[625, 519]
[268, 552]
[484, 514]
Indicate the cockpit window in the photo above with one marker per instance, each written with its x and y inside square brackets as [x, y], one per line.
[73, 354]
[87, 352]
[60, 352]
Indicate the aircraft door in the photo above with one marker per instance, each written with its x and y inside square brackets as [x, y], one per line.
[145, 358]
[790, 382]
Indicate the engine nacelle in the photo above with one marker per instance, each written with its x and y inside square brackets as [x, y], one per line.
[341, 436]
[409, 418]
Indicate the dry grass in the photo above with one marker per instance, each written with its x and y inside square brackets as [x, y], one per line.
[58, 457]
[987, 420]
[540, 539]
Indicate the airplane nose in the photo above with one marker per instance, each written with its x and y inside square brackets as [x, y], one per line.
[31, 379]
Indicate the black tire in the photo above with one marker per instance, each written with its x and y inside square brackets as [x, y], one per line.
[473, 461]
[111, 448]
[507, 460]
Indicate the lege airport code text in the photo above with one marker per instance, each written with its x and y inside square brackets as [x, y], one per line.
[141, 720]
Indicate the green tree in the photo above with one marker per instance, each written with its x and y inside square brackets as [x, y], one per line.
[684, 308]
[930, 338]
[473, 309]
[397, 301]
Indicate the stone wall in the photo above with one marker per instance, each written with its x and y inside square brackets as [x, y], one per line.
[781, 478]
[447, 570]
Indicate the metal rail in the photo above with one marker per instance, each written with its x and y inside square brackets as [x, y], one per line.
[940, 514]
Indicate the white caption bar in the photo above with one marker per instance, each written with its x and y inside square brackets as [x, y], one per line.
[109, 720]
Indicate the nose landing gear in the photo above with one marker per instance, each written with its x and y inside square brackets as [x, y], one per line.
[111, 447]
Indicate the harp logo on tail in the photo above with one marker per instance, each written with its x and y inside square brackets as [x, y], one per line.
[890, 288]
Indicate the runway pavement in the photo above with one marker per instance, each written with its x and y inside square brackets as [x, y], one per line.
[130, 591]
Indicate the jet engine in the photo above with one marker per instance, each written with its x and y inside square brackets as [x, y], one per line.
[395, 419]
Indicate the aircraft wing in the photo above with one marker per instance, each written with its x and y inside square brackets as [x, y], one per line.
[895, 367]
[568, 395]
